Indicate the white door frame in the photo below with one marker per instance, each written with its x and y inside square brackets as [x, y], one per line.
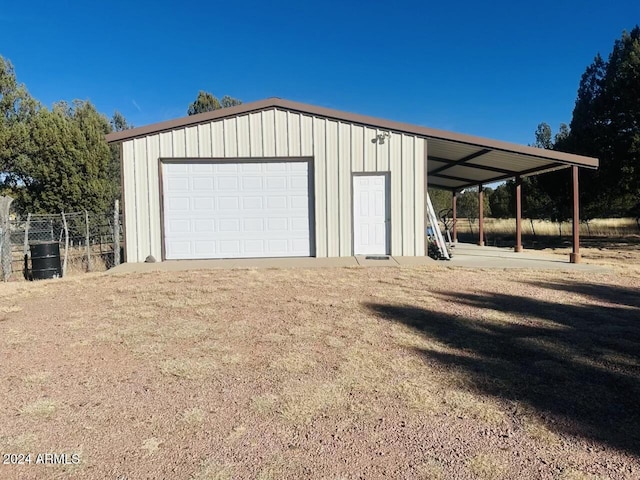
[162, 161]
[387, 206]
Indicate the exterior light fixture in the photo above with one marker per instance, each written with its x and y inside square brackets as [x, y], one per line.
[379, 138]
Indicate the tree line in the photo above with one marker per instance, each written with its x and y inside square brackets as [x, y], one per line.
[606, 125]
[57, 159]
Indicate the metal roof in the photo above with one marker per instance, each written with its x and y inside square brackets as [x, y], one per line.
[456, 160]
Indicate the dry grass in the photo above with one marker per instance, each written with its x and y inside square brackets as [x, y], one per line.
[335, 373]
[488, 467]
[40, 408]
[598, 227]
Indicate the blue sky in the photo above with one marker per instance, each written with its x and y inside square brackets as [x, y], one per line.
[493, 69]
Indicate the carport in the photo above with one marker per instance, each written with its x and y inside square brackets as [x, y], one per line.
[457, 161]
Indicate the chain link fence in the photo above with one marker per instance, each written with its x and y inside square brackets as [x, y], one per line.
[88, 241]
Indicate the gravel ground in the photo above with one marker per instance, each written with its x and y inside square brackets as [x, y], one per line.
[332, 373]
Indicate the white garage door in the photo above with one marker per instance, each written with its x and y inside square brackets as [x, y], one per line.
[236, 210]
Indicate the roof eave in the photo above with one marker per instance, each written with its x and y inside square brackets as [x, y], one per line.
[338, 115]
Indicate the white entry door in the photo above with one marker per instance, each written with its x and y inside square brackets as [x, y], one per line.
[370, 215]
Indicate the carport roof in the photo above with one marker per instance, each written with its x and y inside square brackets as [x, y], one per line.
[455, 160]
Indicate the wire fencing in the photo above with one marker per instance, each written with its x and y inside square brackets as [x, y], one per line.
[88, 241]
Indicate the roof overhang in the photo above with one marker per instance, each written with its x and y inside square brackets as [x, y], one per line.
[456, 160]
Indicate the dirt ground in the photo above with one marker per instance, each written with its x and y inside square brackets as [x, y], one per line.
[433, 373]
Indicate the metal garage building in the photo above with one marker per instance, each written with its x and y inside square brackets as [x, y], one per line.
[277, 178]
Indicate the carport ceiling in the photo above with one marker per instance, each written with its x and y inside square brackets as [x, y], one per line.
[455, 161]
[455, 165]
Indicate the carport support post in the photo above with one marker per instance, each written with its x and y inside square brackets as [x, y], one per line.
[481, 215]
[518, 247]
[454, 208]
[574, 257]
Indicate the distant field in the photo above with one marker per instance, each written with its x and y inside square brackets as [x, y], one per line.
[598, 227]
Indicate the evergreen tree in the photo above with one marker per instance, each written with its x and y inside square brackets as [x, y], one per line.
[606, 124]
[207, 102]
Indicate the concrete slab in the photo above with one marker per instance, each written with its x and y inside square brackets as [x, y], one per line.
[475, 256]
[371, 261]
[415, 261]
[242, 263]
[464, 255]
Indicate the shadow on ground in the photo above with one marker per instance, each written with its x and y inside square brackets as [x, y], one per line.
[577, 365]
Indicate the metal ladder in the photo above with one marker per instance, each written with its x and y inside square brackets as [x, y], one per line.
[437, 233]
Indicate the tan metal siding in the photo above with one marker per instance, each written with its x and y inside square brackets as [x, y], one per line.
[382, 161]
[306, 136]
[320, 158]
[191, 142]
[281, 134]
[179, 146]
[130, 207]
[142, 196]
[268, 133]
[418, 198]
[344, 189]
[333, 202]
[152, 155]
[395, 167]
[339, 149]
[293, 137]
[408, 168]
[357, 148]
[243, 140]
[217, 139]
[255, 131]
[230, 138]
[370, 149]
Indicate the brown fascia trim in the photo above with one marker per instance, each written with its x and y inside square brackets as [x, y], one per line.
[429, 133]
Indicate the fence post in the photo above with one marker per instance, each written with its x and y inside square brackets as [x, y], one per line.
[66, 245]
[5, 237]
[86, 217]
[26, 235]
[116, 233]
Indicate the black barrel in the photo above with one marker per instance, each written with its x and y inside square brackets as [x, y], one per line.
[45, 260]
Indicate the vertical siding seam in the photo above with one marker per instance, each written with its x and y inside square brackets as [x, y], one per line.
[249, 137]
[211, 137]
[415, 193]
[326, 182]
[237, 120]
[377, 162]
[224, 139]
[401, 195]
[300, 132]
[339, 190]
[364, 150]
[198, 140]
[275, 131]
[135, 197]
[288, 139]
[148, 179]
[351, 249]
[262, 130]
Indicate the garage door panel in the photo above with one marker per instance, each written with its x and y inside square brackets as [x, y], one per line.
[227, 183]
[228, 204]
[236, 210]
[277, 202]
[203, 184]
[178, 184]
[252, 203]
